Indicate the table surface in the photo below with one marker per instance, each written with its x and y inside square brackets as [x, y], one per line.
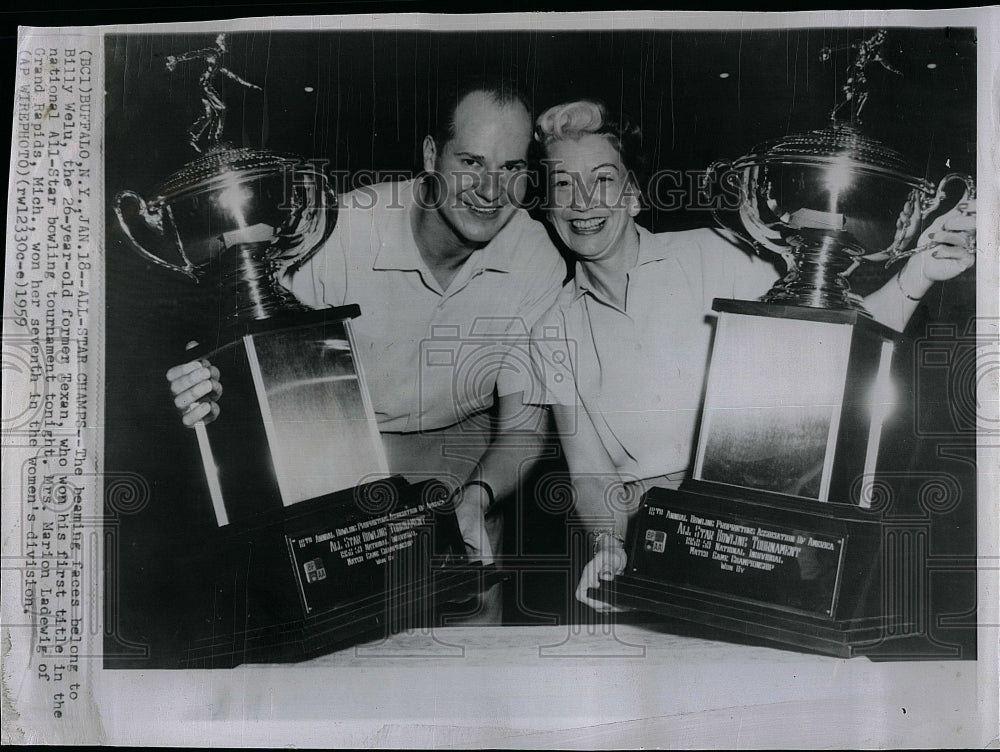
[599, 686]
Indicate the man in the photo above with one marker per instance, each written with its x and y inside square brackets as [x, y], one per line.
[450, 275]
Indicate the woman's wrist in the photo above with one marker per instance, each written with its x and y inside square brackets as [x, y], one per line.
[605, 539]
[911, 281]
[476, 491]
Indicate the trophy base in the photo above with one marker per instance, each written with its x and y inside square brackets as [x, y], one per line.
[801, 575]
[324, 576]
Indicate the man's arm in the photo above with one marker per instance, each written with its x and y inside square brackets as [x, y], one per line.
[522, 430]
[519, 442]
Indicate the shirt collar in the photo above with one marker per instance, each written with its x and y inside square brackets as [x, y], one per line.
[651, 248]
[397, 249]
[496, 256]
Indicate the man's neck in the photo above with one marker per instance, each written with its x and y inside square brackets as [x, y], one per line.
[441, 248]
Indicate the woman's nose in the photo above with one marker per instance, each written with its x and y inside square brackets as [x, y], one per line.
[580, 197]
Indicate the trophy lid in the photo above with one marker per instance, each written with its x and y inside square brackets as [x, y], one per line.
[223, 164]
[840, 145]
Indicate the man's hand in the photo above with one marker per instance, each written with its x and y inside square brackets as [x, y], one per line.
[196, 389]
[472, 501]
[608, 563]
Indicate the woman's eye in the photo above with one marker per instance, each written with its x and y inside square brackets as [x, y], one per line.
[605, 178]
[561, 183]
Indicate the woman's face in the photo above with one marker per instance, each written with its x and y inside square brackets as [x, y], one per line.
[592, 199]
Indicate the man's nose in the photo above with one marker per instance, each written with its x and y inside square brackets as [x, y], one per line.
[490, 185]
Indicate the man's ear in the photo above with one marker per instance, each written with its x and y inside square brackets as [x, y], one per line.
[430, 153]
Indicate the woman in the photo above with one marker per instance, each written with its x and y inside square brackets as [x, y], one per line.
[621, 356]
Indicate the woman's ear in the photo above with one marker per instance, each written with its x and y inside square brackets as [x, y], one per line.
[634, 204]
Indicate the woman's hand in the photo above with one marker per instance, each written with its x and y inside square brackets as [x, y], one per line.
[196, 389]
[950, 245]
[608, 563]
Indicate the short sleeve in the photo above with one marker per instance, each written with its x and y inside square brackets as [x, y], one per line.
[541, 288]
[552, 378]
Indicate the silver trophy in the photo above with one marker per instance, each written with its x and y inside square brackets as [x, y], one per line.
[828, 199]
[298, 423]
[232, 217]
[776, 532]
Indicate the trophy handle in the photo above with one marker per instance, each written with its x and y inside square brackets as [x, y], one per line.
[724, 217]
[919, 205]
[929, 204]
[154, 222]
[744, 223]
[329, 214]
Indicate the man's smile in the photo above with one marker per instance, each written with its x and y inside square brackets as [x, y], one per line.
[486, 212]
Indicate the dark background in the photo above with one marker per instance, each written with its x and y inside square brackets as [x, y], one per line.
[372, 101]
[373, 95]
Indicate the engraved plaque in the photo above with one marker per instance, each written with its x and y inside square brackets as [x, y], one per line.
[791, 568]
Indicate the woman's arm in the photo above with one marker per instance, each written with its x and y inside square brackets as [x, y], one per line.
[596, 481]
[952, 249]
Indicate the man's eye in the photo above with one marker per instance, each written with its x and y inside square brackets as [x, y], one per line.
[560, 183]
[517, 167]
[470, 162]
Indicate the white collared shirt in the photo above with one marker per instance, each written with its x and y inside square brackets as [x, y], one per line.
[431, 357]
[637, 374]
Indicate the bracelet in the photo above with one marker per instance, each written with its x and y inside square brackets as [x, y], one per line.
[482, 484]
[899, 284]
[602, 533]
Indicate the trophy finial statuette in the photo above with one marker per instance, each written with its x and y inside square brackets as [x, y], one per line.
[206, 132]
[232, 217]
[855, 89]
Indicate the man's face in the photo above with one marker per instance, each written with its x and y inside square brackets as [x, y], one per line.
[482, 171]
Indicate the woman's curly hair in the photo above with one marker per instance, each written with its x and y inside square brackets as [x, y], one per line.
[575, 119]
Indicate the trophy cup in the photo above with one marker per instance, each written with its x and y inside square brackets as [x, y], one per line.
[778, 531]
[316, 544]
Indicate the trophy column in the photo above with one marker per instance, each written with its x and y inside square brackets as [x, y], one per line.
[296, 423]
[772, 535]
